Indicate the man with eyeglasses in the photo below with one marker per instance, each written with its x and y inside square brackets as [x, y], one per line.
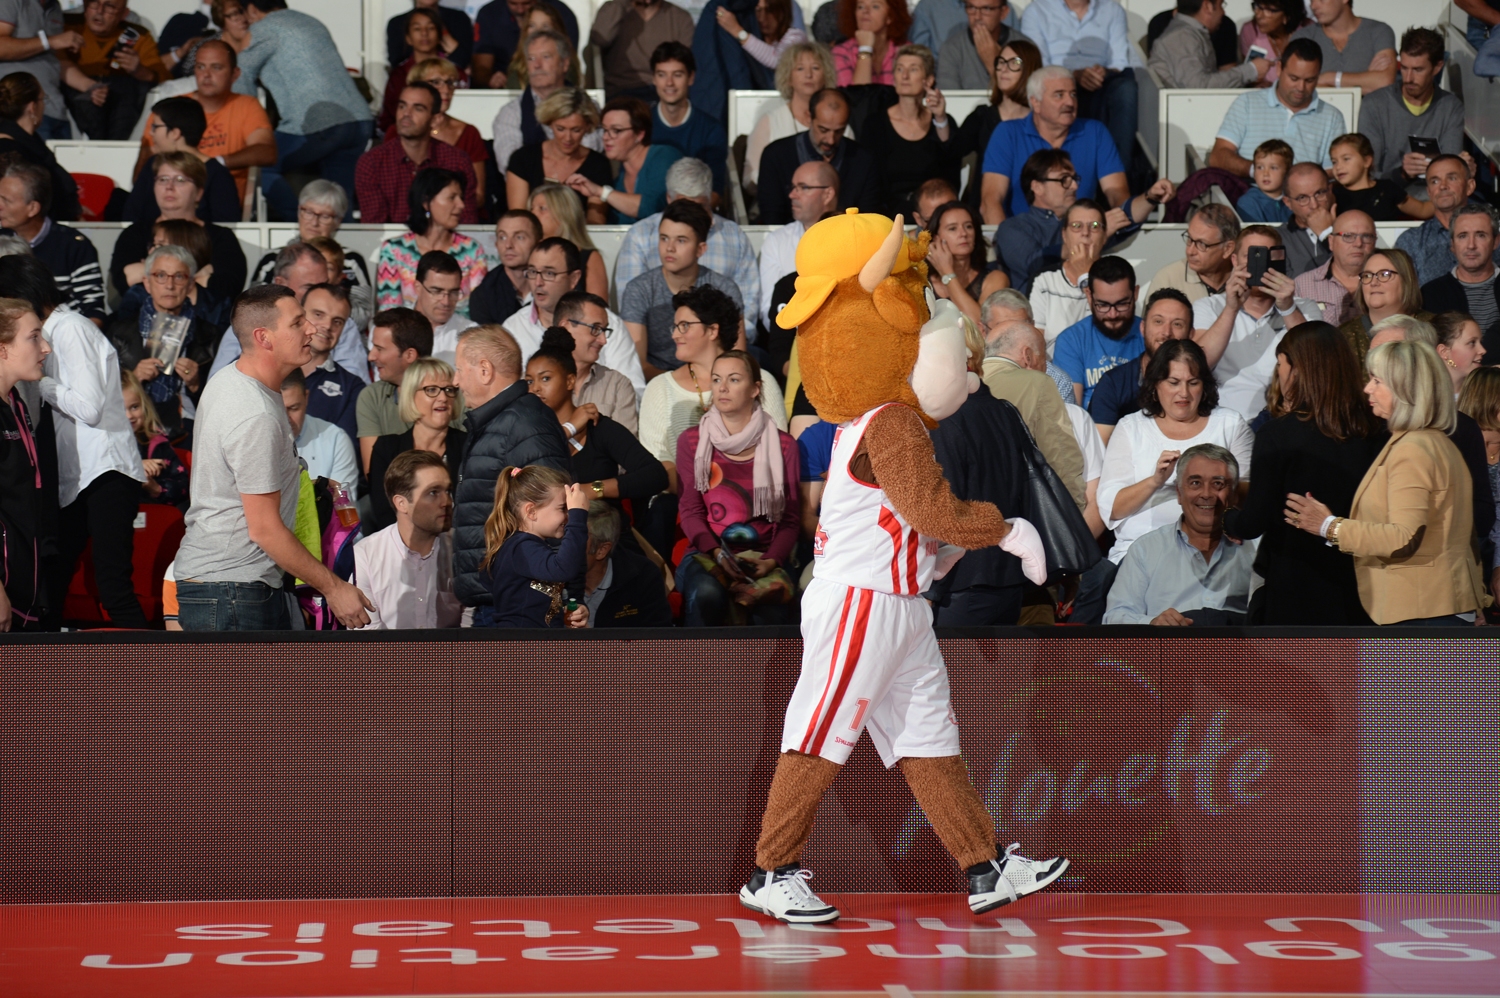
[1290, 110]
[517, 232]
[1333, 286]
[1208, 247]
[1430, 246]
[606, 390]
[1309, 194]
[729, 251]
[966, 59]
[1239, 329]
[858, 170]
[555, 268]
[439, 286]
[1471, 285]
[398, 337]
[1109, 337]
[646, 302]
[1184, 58]
[814, 196]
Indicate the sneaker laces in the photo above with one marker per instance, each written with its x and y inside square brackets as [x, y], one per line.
[796, 887]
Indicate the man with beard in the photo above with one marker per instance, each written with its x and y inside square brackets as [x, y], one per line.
[1168, 316]
[407, 568]
[1110, 336]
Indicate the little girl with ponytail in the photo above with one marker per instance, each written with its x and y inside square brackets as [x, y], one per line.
[527, 578]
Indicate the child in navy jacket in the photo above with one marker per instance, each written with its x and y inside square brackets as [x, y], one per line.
[527, 577]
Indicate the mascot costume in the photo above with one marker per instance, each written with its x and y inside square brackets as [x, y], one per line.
[883, 360]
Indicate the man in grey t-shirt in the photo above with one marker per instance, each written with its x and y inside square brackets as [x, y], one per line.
[30, 32]
[246, 479]
[1357, 51]
[646, 302]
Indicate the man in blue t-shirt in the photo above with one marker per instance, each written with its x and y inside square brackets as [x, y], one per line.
[1052, 124]
[1109, 337]
[1168, 316]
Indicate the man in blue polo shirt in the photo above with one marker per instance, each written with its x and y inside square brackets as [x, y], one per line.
[1109, 337]
[1053, 123]
[1290, 111]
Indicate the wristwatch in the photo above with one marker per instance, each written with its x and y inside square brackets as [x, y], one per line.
[598, 488]
[947, 279]
[742, 35]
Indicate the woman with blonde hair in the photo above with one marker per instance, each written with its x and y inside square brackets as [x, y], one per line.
[23, 351]
[1410, 525]
[166, 477]
[432, 403]
[571, 115]
[1387, 286]
[1480, 400]
[803, 69]
[558, 210]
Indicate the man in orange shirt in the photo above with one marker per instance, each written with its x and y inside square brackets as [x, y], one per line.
[239, 132]
[122, 58]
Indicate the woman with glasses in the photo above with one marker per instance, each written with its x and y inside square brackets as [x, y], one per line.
[571, 115]
[435, 408]
[873, 31]
[461, 135]
[435, 204]
[640, 187]
[606, 456]
[804, 68]
[234, 30]
[321, 207]
[173, 383]
[560, 213]
[428, 42]
[957, 261]
[1321, 442]
[914, 137]
[1270, 29]
[1057, 298]
[1387, 286]
[1017, 60]
[180, 181]
[1411, 522]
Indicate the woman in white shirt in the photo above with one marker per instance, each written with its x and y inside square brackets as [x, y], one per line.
[1057, 298]
[706, 324]
[1137, 490]
[803, 69]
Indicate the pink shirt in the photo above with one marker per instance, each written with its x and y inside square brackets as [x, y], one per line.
[846, 54]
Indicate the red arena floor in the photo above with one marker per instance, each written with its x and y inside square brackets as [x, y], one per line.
[891, 945]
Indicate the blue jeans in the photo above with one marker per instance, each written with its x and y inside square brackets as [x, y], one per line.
[706, 603]
[332, 151]
[1477, 32]
[232, 606]
[981, 606]
[54, 128]
[1487, 61]
[1115, 105]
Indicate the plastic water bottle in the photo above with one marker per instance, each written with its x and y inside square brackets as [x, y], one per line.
[343, 505]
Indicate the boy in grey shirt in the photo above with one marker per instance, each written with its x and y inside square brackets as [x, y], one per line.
[246, 478]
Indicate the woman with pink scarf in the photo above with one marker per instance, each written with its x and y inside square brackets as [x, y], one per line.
[739, 506]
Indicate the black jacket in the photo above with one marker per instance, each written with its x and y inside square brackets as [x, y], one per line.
[220, 202]
[383, 453]
[859, 176]
[512, 429]
[1446, 294]
[495, 299]
[14, 138]
[1301, 256]
[979, 447]
[637, 595]
[124, 332]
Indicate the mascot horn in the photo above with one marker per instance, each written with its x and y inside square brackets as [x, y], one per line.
[881, 362]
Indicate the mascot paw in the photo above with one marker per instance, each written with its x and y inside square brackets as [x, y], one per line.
[1025, 543]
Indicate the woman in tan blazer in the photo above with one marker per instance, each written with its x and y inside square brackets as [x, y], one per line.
[1410, 527]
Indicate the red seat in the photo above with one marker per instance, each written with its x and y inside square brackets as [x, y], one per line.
[158, 533]
[94, 191]
[185, 456]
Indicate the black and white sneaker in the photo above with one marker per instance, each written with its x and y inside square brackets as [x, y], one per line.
[1010, 878]
[784, 895]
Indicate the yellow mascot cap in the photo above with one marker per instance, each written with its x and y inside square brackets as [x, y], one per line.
[834, 250]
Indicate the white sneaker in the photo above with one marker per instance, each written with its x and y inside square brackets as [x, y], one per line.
[784, 895]
[1010, 878]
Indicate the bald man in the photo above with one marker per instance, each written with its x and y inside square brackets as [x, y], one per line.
[1309, 194]
[1332, 285]
[814, 194]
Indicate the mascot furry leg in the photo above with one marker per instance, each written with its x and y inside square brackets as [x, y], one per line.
[874, 363]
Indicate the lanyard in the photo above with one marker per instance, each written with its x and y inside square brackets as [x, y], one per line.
[23, 424]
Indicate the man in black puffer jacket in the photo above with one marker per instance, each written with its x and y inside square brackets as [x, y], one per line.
[507, 426]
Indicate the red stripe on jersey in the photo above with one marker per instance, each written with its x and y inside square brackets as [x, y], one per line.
[833, 663]
[893, 527]
[912, 543]
[851, 662]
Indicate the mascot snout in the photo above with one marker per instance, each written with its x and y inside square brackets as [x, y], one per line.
[941, 378]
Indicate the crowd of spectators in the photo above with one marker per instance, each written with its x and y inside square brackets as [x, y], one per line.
[1289, 425]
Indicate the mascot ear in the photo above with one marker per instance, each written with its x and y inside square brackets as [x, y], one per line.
[812, 291]
[894, 304]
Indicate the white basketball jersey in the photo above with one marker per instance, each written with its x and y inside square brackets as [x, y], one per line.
[861, 540]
